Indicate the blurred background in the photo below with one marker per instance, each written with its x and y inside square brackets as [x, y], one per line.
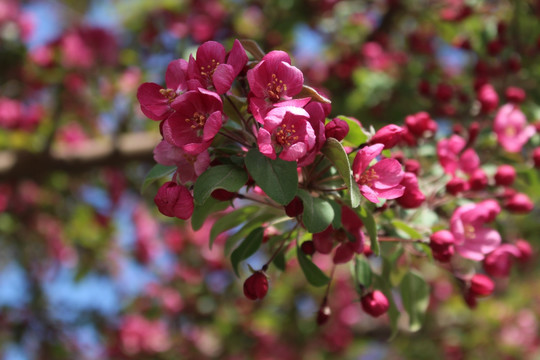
[89, 269]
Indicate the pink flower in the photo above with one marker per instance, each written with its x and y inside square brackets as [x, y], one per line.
[452, 159]
[473, 240]
[420, 123]
[174, 200]
[156, 101]
[375, 303]
[272, 80]
[316, 120]
[137, 334]
[195, 122]
[381, 180]
[192, 165]
[511, 128]
[213, 68]
[337, 129]
[286, 131]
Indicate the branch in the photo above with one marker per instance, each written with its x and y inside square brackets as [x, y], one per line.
[91, 154]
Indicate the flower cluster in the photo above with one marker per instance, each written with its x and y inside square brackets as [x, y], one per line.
[237, 131]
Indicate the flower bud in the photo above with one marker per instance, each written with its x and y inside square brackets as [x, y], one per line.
[481, 285]
[515, 95]
[444, 92]
[337, 129]
[519, 203]
[505, 175]
[536, 157]
[412, 166]
[424, 88]
[478, 180]
[456, 186]
[308, 247]
[295, 207]
[488, 98]
[323, 315]
[256, 286]
[223, 195]
[420, 123]
[525, 250]
[499, 262]
[442, 245]
[388, 135]
[174, 200]
[375, 303]
[412, 196]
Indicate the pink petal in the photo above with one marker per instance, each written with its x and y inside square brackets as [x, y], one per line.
[369, 194]
[176, 75]
[223, 78]
[293, 152]
[154, 105]
[264, 140]
[389, 173]
[237, 57]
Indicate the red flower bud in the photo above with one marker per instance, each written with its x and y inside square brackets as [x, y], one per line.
[412, 166]
[536, 157]
[223, 195]
[488, 98]
[308, 247]
[442, 245]
[499, 262]
[494, 47]
[478, 180]
[481, 285]
[174, 200]
[444, 92]
[420, 123]
[323, 315]
[256, 286]
[337, 129]
[375, 303]
[456, 185]
[505, 175]
[515, 94]
[388, 135]
[412, 196]
[525, 250]
[295, 207]
[519, 203]
[424, 88]
[513, 64]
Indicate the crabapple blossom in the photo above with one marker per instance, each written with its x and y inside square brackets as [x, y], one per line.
[473, 240]
[381, 180]
[174, 200]
[256, 286]
[511, 128]
[375, 303]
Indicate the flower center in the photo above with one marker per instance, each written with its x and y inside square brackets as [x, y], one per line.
[285, 135]
[469, 232]
[197, 120]
[208, 71]
[169, 94]
[367, 178]
[190, 158]
[510, 131]
[275, 88]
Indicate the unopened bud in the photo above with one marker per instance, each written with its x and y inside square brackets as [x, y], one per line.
[375, 303]
[256, 286]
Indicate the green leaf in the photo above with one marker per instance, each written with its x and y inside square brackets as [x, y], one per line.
[279, 260]
[318, 213]
[231, 220]
[415, 297]
[249, 226]
[335, 152]
[362, 271]
[406, 231]
[356, 135]
[201, 212]
[278, 178]
[228, 177]
[157, 172]
[313, 274]
[247, 248]
[336, 223]
[371, 227]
